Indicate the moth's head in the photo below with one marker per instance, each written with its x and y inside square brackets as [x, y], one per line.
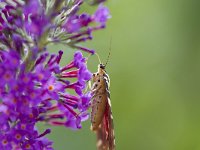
[102, 66]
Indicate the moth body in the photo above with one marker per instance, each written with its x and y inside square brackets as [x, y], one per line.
[100, 95]
[101, 115]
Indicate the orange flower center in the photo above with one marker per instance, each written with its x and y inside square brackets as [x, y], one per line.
[32, 95]
[25, 79]
[28, 146]
[23, 126]
[31, 115]
[7, 76]
[41, 76]
[51, 87]
[14, 100]
[18, 136]
[4, 142]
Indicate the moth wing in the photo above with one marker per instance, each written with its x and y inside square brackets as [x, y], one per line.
[102, 143]
[105, 132]
[98, 110]
[109, 126]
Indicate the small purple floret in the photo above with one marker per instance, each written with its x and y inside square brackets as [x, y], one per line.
[102, 14]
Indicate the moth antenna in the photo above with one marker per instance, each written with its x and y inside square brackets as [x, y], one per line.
[109, 52]
[88, 57]
[98, 57]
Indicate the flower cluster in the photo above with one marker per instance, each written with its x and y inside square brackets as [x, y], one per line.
[34, 87]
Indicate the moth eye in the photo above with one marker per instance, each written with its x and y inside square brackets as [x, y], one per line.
[96, 85]
[99, 80]
[93, 75]
[97, 73]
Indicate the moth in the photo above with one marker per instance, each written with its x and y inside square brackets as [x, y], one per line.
[101, 114]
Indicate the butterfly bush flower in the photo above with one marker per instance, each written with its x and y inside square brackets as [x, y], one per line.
[34, 86]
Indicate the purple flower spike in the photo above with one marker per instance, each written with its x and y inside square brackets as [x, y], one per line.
[34, 86]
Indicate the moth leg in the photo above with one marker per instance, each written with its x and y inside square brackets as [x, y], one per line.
[89, 85]
[95, 91]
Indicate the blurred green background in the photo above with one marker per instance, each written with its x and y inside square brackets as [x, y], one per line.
[155, 76]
